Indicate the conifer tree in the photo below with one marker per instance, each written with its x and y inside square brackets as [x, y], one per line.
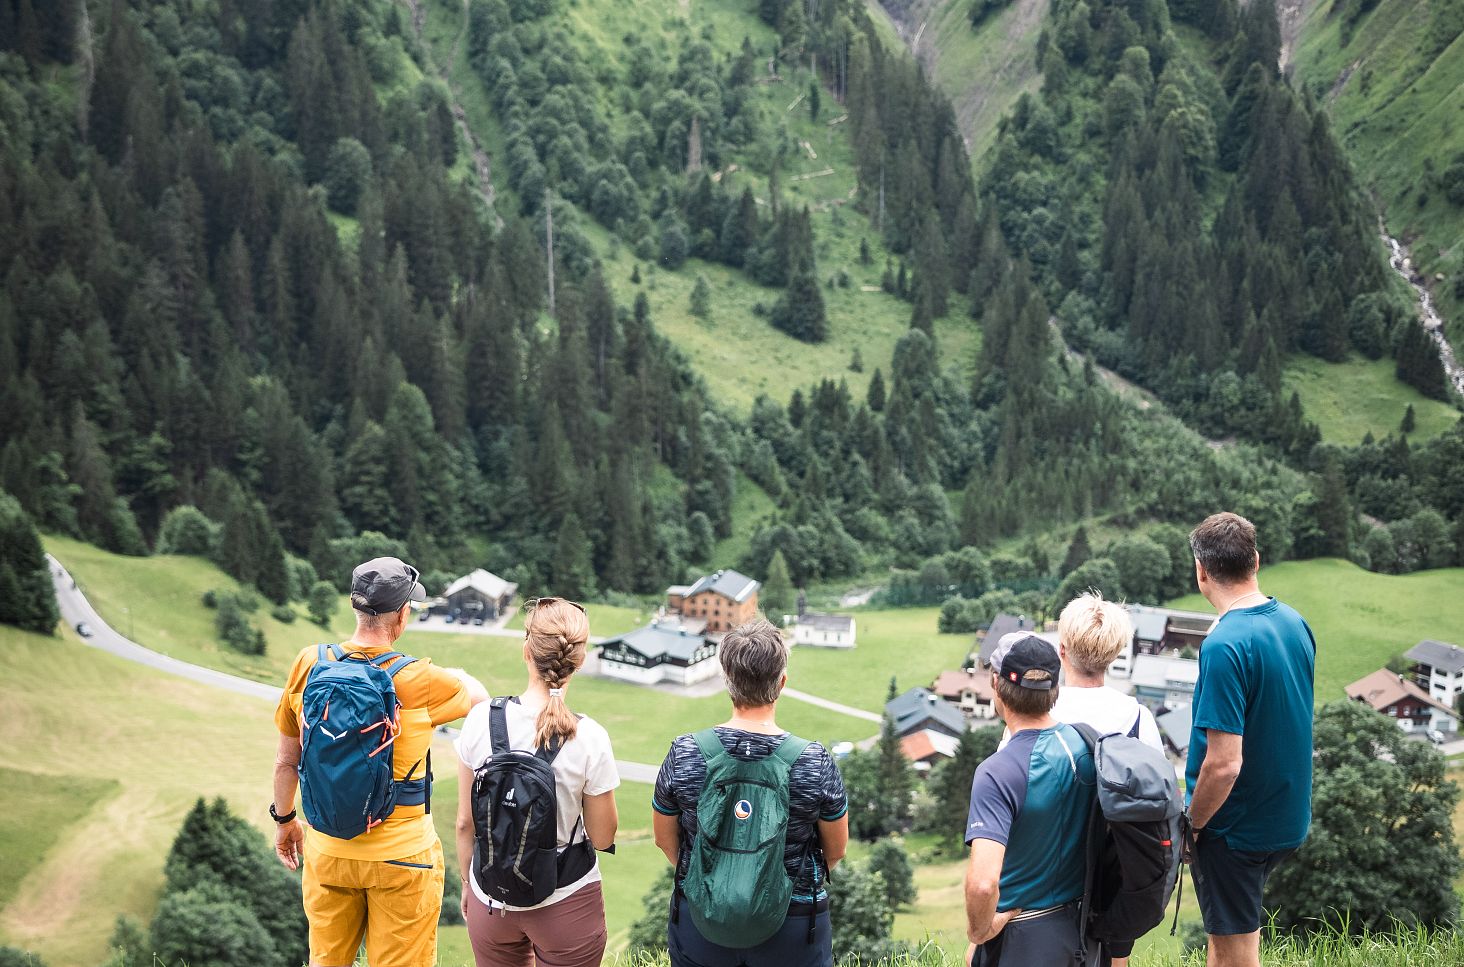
[27, 598]
[777, 589]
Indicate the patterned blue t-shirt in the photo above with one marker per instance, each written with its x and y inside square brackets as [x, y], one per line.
[1035, 796]
[815, 792]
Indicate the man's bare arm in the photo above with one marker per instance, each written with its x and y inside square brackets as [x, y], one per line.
[1217, 775]
[289, 837]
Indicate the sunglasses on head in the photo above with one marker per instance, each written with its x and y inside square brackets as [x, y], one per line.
[534, 604]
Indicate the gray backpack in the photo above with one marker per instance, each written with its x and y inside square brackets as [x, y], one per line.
[1134, 838]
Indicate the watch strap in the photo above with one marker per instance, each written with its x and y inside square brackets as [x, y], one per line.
[287, 818]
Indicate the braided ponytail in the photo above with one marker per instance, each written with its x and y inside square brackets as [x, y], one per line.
[556, 634]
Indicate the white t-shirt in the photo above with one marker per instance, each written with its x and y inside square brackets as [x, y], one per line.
[1106, 709]
[585, 766]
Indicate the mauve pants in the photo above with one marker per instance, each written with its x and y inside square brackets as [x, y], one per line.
[570, 933]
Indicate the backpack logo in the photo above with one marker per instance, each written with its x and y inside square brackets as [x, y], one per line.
[743, 809]
[508, 799]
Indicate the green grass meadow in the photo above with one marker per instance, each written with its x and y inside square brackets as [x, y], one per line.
[903, 643]
[1361, 619]
[1347, 401]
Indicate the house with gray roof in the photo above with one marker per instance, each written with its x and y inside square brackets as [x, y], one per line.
[1002, 624]
[1164, 683]
[479, 593]
[671, 649]
[1174, 728]
[724, 599]
[1438, 668]
[920, 709]
[821, 630]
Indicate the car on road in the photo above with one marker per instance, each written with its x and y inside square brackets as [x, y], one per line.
[83, 629]
[423, 615]
[1436, 737]
[478, 621]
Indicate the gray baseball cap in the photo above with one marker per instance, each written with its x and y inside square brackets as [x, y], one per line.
[382, 585]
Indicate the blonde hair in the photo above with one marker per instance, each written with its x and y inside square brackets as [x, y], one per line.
[1093, 632]
[555, 634]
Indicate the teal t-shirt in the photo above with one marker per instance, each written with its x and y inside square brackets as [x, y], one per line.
[1035, 796]
[1257, 669]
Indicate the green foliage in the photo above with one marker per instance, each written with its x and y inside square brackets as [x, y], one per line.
[950, 787]
[323, 602]
[347, 170]
[27, 597]
[861, 914]
[232, 624]
[129, 945]
[889, 861]
[879, 783]
[185, 530]
[701, 298]
[227, 902]
[648, 933]
[776, 596]
[1099, 573]
[15, 957]
[1381, 848]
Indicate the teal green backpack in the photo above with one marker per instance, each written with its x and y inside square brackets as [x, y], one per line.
[735, 884]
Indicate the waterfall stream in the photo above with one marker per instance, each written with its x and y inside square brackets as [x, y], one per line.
[1428, 314]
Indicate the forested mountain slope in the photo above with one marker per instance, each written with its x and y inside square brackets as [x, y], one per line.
[251, 265]
[981, 53]
[1391, 74]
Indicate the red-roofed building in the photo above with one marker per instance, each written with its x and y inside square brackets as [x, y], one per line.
[1399, 698]
[969, 690]
[927, 747]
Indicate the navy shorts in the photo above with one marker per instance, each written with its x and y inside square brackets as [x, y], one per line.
[794, 945]
[1229, 884]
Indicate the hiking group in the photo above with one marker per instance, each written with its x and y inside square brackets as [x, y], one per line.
[1076, 826]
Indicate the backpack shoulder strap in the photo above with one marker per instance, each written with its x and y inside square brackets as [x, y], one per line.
[498, 726]
[325, 653]
[709, 744]
[1089, 734]
[380, 661]
[790, 749]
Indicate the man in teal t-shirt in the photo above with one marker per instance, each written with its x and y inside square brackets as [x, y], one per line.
[1249, 773]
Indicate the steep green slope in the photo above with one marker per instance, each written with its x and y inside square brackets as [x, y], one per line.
[984, 68]
[1393, 78]
[734, 347]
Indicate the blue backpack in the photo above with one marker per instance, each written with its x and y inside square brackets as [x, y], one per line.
[349, 720]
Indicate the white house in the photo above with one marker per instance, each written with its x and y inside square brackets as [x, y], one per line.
[1404, 701]
[1161, 682]
[1439, 668]
[822, 630]
[672, 649]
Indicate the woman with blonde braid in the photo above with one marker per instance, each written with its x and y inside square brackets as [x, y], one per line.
[567, 929]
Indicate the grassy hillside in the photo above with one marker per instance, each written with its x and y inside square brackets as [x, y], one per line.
[901, 643]
[102, 760]
[984, 69]
[1349, 400]
[1394, 81]
[734, 348]
[1362, 619]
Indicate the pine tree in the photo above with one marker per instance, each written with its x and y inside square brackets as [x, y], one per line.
[777, 589]
[572, 569]
[1078, 551]
[28, 599]
[701, 297]
[876, 397]
[1410, 421]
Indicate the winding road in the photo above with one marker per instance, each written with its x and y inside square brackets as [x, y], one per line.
[75, 609]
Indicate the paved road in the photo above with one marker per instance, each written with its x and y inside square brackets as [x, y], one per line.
[857, 713]
[76, 608]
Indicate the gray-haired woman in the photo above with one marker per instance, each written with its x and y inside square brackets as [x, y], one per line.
[754, 661]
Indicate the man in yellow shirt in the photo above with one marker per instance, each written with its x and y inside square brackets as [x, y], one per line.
[384, 885]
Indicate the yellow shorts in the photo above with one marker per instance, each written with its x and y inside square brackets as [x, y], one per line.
[392, 904]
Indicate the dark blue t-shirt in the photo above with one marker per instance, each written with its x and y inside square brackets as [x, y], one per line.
[1035, 796]
[1257, 669]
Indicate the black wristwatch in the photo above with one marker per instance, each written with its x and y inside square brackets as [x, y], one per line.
[287, 818]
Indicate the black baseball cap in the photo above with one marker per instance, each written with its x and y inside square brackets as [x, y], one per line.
[1020, 652]
[382, 585]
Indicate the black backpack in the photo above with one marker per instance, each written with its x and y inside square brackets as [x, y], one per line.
[516, 856]
[1134, 838]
